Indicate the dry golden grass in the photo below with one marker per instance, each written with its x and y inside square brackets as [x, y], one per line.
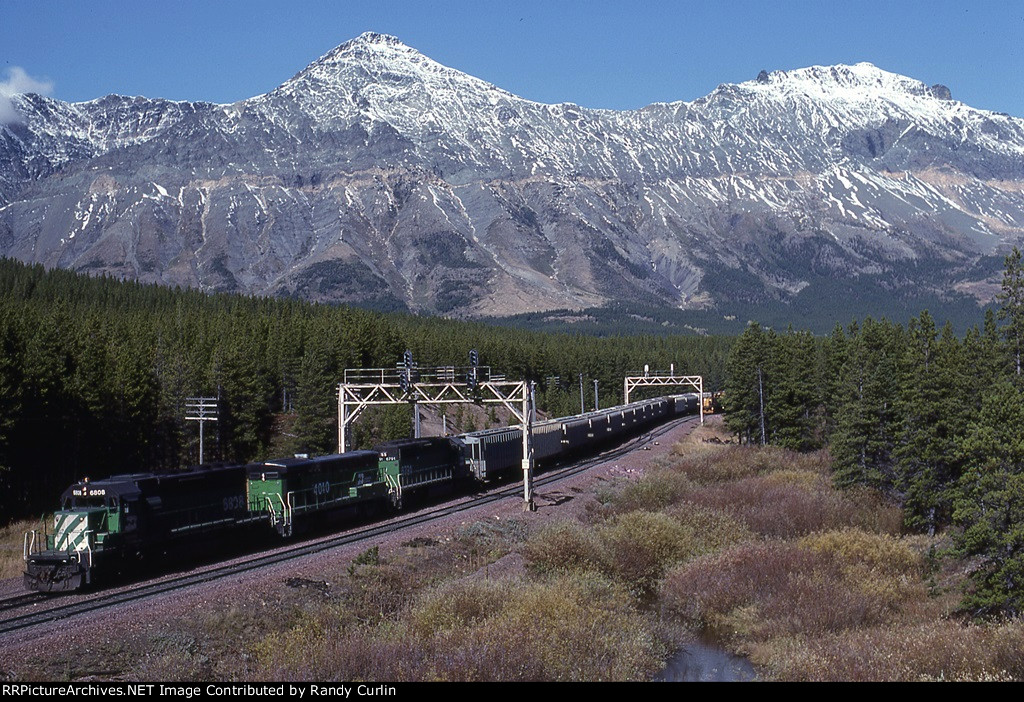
[578, 626]
[881, 553]
[724, 463]
[11, 544]
[935, 650]
[713, 430]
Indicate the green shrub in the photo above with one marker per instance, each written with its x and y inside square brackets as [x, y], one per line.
[637, 547]
[459, 604]
[712, 530]
[655, 490]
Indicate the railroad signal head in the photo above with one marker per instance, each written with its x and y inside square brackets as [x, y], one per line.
[474, 358]
[407, 358]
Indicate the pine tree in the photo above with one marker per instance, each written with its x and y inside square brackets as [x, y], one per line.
[13, 483]
[990, 503]
[315, 400]
[793, 401]
[989, 506]
[1011, 299]
[929, 407]
[984, 355]
[831, 362]
[866, 420]
[748, 385]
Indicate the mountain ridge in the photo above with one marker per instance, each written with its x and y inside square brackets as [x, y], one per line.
[376, 175]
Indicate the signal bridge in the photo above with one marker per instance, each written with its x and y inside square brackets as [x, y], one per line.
[441, 385]
[664, 378]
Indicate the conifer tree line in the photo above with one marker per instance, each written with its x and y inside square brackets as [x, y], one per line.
[94, 374]
[932, 420]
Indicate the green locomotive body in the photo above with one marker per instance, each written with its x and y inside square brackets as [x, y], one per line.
[412, 466]
[289, 491]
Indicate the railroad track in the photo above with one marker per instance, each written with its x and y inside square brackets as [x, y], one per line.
[21, 621]
[21, 601]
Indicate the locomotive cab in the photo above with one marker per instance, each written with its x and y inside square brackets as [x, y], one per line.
[91, 516]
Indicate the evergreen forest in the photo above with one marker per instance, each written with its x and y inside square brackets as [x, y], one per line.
[95, 372]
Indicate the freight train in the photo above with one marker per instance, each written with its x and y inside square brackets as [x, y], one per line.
[104, 527]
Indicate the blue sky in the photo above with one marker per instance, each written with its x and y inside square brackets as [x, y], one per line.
[616, 55]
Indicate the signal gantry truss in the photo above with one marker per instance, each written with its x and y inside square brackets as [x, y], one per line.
[445, 385]
[662, 378]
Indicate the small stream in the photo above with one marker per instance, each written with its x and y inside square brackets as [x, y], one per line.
[699, 661]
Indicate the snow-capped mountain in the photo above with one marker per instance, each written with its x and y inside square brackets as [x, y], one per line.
[379, 176]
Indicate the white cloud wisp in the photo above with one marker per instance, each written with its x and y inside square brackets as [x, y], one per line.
[18, 81]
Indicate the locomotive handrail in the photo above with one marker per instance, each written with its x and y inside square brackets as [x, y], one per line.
[28, 545]
[270, 508]
[395, 484]
[88, 546]
[77, 554]
[274, 518]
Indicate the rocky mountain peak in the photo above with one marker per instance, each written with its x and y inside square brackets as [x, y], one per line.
[377, 68]
[862, 76]
[376, 57]
[368, 45]
[377, 175]
[376, 38]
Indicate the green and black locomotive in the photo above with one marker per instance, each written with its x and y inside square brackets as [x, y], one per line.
[105, 526]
